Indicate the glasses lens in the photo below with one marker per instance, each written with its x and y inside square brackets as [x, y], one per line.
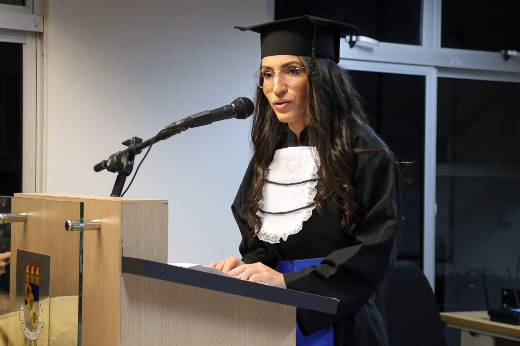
[291, 74]
[259, 79]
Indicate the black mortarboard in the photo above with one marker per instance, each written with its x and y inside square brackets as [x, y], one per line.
[306, 36]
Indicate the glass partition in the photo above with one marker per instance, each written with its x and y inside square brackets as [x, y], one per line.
[42, 300]
[478, 193]
[401, 125]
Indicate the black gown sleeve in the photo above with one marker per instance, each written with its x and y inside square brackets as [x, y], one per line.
[256, 251]
[352, 274]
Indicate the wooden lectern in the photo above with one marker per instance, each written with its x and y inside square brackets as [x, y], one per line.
[129, 295]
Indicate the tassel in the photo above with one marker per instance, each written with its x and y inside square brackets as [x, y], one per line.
[312, 70]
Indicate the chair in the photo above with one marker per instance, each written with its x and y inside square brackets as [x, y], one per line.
[409, 309]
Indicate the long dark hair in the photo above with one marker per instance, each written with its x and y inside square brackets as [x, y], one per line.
[332, 105]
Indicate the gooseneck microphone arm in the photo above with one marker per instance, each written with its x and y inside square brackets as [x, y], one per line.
[122, 162]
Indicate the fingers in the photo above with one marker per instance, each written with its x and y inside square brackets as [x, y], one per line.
[242, 267]
[259, 272]
[220, 265]
[239, 270]
[227, 264]
[261, 278]
[230, 263]
[5, 258]
[256, 272]
[246, 270]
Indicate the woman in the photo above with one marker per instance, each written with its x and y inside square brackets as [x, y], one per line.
[318, 208]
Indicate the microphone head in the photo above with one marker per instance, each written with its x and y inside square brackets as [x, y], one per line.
[244, 107]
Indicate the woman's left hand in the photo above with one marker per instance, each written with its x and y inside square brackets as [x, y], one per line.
[5, 258]
[259, 272]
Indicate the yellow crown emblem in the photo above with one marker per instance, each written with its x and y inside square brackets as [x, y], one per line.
[32, 273]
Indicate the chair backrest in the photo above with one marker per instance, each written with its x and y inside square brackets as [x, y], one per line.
[409, 309]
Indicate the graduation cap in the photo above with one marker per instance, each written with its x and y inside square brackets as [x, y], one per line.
[305, 35]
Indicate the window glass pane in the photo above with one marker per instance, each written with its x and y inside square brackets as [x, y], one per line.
[10, 143]
[478, 193]
[10, 118]
[13, 2]
[397, 21]
[401, 125]
[490, 25]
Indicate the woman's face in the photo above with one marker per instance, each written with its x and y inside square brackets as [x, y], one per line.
[289, 101]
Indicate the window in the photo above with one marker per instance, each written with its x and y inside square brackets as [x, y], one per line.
[489, 25]
[397, 21]
[401, 125]
[20, 134]
[13, 2]
[11, 118]
[457, 120]
[478, 192]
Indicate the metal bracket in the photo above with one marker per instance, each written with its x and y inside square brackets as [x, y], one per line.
[12, 217]
[506, 54]
[88, 225]
[360, 40]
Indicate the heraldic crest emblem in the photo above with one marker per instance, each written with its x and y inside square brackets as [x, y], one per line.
[31, 311]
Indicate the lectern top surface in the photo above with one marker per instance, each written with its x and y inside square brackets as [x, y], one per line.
[162, 271]
[89, 197]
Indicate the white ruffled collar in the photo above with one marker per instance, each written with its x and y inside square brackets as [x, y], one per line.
[289, 193]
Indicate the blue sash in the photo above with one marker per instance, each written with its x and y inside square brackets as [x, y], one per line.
[323, 337]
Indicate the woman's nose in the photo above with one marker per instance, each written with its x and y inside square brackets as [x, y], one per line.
[279, 85]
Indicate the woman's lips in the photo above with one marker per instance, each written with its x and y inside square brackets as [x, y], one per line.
[281, 104]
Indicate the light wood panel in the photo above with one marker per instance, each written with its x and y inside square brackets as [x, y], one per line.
[166, 313]
[124, 309]
[44, 232]
[479, 320]
[144, 228]
[142, 223]
[101, 273]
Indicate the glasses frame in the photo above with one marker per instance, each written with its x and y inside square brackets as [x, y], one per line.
[299, 68]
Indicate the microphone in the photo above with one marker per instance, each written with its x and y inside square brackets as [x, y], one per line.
[241, 108]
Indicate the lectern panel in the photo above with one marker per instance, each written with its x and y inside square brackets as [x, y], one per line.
[110, 306]
[45, 291]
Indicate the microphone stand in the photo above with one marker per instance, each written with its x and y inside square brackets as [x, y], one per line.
[122, 162]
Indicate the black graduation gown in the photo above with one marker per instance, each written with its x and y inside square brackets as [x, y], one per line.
[354, 265]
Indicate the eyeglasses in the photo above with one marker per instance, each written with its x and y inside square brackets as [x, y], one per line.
[289, 74]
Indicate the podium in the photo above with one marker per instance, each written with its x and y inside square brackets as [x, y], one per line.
[109, 280]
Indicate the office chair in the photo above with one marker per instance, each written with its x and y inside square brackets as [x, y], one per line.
[409, 309]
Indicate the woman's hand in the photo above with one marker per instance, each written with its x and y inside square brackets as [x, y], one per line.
[5, 258]
[228, 264]
[259, 272]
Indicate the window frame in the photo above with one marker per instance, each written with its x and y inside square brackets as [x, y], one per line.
[430, 52]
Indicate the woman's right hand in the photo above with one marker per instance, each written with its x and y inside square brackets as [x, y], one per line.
[227, 264]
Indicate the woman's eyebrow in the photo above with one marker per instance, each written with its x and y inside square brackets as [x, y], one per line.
[284, 65]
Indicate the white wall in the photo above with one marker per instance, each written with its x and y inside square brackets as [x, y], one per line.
[117, 69]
